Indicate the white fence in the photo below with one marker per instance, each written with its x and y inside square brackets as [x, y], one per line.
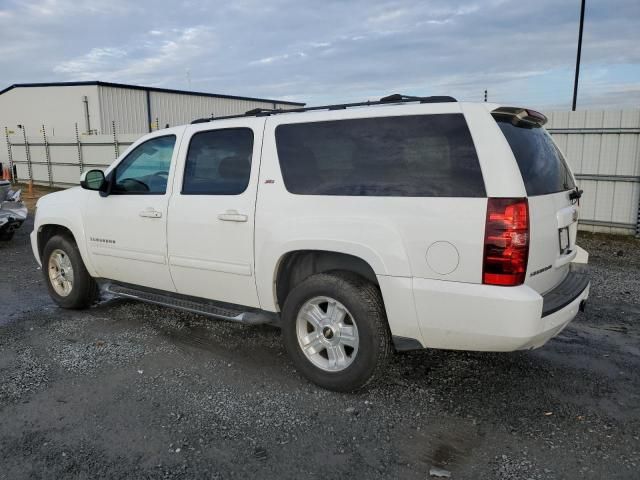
[59, 161]
[602, 147]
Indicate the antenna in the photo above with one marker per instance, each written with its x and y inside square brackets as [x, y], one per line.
[189, 78]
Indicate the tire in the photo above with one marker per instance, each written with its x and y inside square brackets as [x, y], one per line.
[59, 253]
[347, 367]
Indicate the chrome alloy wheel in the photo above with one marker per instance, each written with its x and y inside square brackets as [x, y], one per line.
[60, 272]
[327, 334]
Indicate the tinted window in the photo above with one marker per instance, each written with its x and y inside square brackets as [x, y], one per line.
[415, 156]
[541, 164]
[146, 168]
[218, 162]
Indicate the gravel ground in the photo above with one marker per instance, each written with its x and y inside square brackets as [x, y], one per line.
[127, 390]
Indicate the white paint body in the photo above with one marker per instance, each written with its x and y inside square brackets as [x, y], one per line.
[426, 253]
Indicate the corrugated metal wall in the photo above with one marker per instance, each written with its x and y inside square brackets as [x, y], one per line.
[127, 107]
[177, 109]
[603, 149]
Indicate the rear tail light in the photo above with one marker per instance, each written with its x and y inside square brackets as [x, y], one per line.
[506, 242]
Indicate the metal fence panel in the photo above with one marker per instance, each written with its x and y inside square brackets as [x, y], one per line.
[60, 160]
[602, 148]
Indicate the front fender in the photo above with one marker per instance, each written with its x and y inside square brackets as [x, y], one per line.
[63, 209]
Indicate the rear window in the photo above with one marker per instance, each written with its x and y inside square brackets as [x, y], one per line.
[543, 168]
[413, 156]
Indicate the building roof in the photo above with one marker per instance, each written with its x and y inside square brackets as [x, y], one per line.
[148, 89]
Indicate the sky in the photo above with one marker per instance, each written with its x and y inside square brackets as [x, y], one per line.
[523, 52]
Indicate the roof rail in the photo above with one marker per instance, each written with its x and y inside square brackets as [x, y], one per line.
[394, 98]
[397, 97]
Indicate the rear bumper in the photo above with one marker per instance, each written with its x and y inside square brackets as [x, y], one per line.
[461, 316]
[565, 293]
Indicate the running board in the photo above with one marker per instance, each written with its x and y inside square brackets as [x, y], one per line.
[222, 311]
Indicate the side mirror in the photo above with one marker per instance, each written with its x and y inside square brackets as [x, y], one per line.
[93, 180]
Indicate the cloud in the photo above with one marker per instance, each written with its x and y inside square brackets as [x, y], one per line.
[65, 8]
[522, 52]
[95, 60]
[143, 60]
[277, 58]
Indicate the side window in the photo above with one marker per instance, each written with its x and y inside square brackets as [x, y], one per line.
[218, 162]
[146, 169]
[405, 156]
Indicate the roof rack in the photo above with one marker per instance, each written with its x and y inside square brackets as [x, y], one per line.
[394, 98]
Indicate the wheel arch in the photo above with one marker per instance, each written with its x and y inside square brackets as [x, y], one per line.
[48, 230]
[295, 266]
[397, 295]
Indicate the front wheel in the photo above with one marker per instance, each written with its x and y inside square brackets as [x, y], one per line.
[335, 330]
[68, 281]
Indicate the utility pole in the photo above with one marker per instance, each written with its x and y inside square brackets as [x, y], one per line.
[575, 82]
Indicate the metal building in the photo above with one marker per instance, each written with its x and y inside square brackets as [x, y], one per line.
[95, 106]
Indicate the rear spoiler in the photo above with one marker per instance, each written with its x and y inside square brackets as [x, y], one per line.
[521, 116]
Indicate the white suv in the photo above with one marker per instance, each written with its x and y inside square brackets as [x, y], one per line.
[359, 229]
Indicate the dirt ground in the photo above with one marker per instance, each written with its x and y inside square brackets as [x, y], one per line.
[126, 390]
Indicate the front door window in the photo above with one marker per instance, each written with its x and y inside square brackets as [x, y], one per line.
[146, 169]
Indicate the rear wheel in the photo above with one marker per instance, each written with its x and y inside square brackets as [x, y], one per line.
[335, 330]
[68, 281]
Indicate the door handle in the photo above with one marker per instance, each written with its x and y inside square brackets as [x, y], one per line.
[232, 216]
[150, 213]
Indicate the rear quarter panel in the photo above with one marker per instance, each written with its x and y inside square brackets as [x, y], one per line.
[393, 234]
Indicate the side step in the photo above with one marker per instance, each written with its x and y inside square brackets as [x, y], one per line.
[223, 311]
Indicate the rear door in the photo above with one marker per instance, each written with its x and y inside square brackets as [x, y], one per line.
[553, 214]
[211, 214]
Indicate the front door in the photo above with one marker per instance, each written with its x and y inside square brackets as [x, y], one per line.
[211, 214]
[126, 229]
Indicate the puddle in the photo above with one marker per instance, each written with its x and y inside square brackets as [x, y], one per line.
[441, 442]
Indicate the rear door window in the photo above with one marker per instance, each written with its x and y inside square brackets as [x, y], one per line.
[411, 156]
[543, 168]
[218, 162]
